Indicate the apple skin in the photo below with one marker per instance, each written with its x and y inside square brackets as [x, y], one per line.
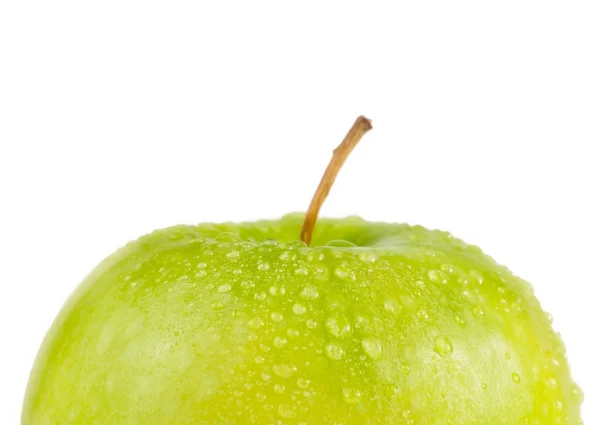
[242, 324]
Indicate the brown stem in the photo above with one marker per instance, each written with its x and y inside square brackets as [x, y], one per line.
[358, 130]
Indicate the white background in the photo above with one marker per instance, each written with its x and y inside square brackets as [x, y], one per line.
[119, 117]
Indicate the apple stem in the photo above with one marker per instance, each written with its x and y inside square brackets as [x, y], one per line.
[358, 130]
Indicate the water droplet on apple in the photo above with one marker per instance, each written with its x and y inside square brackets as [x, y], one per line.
[261, 397]
[311, 323]
[247, 284]
[284, 370]
[459, 320]
[576, 394]
[334, 351]
[279, 342]
[301, 271]
[299, 309]
[256, 323]
[259, 359]
[351, 395]
[476, 274]
[260, 296]
[263, 266]
[437, 276]
[217, 305]
[292, 333]
[345, 272]
[303, 383]
[551, 383]
[389, 305]
[443, 346]
[286, 411]
[477, 311]
[277, 290]
[224, 288]
[287, 256]
[516, 378]
[405, 368]
[338, 325]
[373, 348]
[233, 254]
[422, 314]
[340, 243]
[276, 316]
[309, 293]
[279, 388]
[367, 257]
[405, 413]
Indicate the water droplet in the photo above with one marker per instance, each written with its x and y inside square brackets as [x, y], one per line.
[217, 305]
[260, 295]
[261, 397]
[200, 273]
[484, 386]
[551, 383]
[477, 311]
[279, 388]
[340, 243]
[422, 314]
[338, 326]
[311, 323]
[299, 309]
[351, 395]
[233, 254]
[276, 317]
[367, 257]
[201, 265]
[373, 348]
[405, 413]
[344, 272]
[550, 318]
[286, 256]
[256, 323]
[516, 378]
[390, 306]
[292, 333]
[443, 346]
[247, 284]
[334, 352]
[283, 370]
[476, 274]
[301, 271]
[286, 411]
[309, 293]
[405, 368]
[224, 288]
[263, 266]
[303, 383]
[459, 320]
[437, 276]
[259, 359]
[507, 355]
[576, 394]
[277, 290]
[279, 341]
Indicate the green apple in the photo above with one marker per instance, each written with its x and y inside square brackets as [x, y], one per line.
[373, 323]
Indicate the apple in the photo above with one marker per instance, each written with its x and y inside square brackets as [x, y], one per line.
[355, 322]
